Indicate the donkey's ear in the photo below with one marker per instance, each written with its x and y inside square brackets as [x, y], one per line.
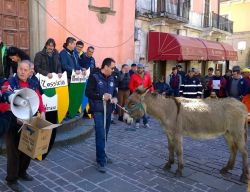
[146, 91]
[140, 89]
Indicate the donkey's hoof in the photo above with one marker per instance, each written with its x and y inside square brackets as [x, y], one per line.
[178, 173]
[244, 178]
[167, 167]
[224, 170]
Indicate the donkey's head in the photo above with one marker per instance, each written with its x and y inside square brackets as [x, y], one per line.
[136, 106]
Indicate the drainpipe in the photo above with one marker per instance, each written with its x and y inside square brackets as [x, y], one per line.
[218, 21]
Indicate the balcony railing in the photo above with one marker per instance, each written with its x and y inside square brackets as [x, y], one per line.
[174, 9]
[211, 20]
[222, 23]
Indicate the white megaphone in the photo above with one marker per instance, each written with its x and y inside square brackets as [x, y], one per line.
[24, 103]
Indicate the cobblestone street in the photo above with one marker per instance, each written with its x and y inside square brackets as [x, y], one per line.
[138, 158]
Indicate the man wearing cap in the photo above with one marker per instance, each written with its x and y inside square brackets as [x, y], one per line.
[246, 99]
[237, 86]
[141, 77]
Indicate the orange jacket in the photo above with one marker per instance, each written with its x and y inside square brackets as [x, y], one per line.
[136, 80]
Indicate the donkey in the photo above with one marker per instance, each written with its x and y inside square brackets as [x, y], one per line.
[197, 118]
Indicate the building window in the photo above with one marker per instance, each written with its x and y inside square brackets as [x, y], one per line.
[102, 6]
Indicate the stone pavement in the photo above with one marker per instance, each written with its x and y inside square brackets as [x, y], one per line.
[138, 160]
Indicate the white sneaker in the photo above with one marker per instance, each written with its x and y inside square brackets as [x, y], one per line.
[146, 125]
[137, 125]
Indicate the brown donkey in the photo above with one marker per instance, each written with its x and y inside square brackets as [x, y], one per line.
[197, 118]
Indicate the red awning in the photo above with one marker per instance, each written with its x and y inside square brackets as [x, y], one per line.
[215, 51]
[231, 54]
[167, 46]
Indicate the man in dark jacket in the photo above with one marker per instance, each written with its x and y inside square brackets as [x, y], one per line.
[191, 86]
[87, 60]
[68, 59]
[100, 90]
[47, 61]
[123, 89]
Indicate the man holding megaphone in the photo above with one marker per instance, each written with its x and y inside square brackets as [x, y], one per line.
[18, 162]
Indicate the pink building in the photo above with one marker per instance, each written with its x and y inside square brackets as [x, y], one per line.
[107, 25]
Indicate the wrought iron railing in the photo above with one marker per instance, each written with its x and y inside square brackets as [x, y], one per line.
[220, 22]
[175, 9]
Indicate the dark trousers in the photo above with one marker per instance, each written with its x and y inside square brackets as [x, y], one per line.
[17, 161]
[101, 156]
[7, 120]
[51, 116]
[122, 100]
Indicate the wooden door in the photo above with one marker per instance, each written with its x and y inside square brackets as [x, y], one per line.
[14, 23]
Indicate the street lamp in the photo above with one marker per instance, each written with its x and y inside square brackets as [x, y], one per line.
[241, 46]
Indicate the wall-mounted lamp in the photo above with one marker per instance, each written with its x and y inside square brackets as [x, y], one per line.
[241, 46]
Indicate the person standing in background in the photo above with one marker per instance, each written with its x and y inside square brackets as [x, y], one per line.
[87, 60]
[68, 59]
[47, 62]
[123, 89]
[14, 56]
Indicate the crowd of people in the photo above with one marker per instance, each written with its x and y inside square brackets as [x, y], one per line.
[235, 83]
[107, 86]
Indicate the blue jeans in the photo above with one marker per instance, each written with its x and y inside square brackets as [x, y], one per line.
[176, 92]
[144, 119]
[101, 156]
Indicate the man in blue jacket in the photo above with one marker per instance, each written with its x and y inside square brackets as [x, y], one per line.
[68, 59]
[101, 90]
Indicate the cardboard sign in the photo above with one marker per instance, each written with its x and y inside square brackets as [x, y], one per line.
[35, 137]
[80, 78]
[216, 84]
[54, 82]
[50, 103]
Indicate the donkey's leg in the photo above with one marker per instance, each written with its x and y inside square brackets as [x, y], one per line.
[242, 145]
[171, 153]
[179, 153]
[233, 152]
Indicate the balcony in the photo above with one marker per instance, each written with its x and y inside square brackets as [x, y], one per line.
[176, 10]
[219, 22]
[212, 20]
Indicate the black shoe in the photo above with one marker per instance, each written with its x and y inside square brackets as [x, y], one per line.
[120, 118]
[113, 122]
[101, 169]
[109, 161]
[15, 186]
[26, 177]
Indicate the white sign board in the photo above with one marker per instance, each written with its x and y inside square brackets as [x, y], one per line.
[216, 84]
[50, 103]
[54, 82]
[79, 78]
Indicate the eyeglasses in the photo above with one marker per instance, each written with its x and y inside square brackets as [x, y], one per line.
[80, 47]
